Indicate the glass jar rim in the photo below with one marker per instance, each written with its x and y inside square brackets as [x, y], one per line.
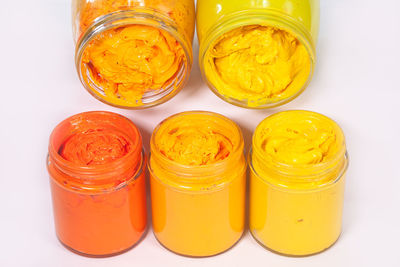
[331, 182]
[190, 170]
[340, 160]
[98, 174]
[250, 17]
[139, 16]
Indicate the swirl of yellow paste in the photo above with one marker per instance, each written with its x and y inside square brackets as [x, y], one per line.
[194, 146]
[95, 147]
[129, 61]
[196, 139]
[299, 138]
[258, 65]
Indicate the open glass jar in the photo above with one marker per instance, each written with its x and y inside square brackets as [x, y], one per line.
[133, 53]
[198, 180]
[97, 178]
[257, 54]
[297, 164]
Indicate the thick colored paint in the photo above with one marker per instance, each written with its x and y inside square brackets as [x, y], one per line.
[259, 64]
[97, 180]
[257, 54]
[198, 180]
[298, 165]
[133, 53]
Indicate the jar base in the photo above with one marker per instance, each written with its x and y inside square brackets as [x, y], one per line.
[202, 256]
[80, 253]
[292, 255]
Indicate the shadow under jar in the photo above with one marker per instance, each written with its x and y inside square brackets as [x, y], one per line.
[133, 53]
[257, 54]
[297, 164]
[97, 178]
[198, 180]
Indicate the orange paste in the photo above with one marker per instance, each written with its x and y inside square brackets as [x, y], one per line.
[95, 147]
[126, 63]
[97, 182]
[198, 181]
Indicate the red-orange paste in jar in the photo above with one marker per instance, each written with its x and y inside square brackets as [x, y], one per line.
[96, 166]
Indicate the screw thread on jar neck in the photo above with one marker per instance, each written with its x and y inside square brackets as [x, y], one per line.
[323, 174]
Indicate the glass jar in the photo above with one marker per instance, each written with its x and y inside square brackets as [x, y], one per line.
[97, 178]
[257, 54]
[298, 163]
[133, 53]
[198, 180]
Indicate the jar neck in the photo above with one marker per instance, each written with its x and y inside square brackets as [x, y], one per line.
[109, 177]
[266, 17]
[140, 16]
[307, 176]
[188, 174]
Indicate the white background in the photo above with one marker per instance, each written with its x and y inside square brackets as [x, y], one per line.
[356, 83]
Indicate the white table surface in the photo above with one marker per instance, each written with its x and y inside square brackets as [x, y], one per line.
[356, 83]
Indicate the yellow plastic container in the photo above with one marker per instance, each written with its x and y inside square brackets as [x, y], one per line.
[133, 53]
[298, 163]
[257, 54]
[198, 180]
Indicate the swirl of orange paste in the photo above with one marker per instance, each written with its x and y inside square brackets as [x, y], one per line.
[95, 147]
[194, 145]
[129, 61]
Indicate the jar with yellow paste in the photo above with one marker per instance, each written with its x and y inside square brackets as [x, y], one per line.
[133, 53]
[198, 180]
[257, 54]
[297, 164]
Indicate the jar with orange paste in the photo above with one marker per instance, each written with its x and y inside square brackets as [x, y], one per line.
[133, 53]
[97, 177]
[198, 180]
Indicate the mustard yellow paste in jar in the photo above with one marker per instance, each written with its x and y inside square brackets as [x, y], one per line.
[258, 65]
[198, 180]
[298, 162]
[196, 146]
[293, 138]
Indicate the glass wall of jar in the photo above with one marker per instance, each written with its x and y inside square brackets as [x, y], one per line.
[257, 54]
[97, 177]
[198, 180]
[133, 53]
[298, 164]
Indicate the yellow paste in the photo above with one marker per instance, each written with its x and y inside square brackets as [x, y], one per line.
[258, 64]
[298, 139]
[127, 62]
[197, 145]
[296, 195]
[198, 182]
